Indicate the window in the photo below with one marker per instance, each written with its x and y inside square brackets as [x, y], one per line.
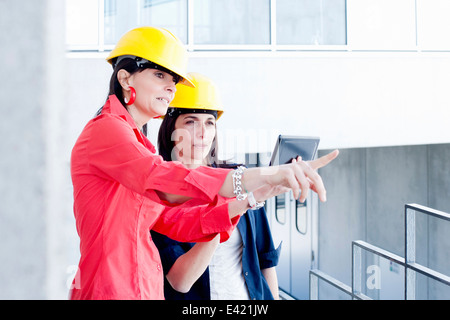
[98, 24]
[82, 24]
[301, 217]
[433, 29]
[280, 208]
[311, 22]
[232, 22]
[169, 14]
[210, 24]
[382, 24]
[110, 8]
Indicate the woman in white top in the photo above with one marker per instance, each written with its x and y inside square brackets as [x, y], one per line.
[243, 267]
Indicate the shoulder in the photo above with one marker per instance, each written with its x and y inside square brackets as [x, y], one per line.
[109, 119]
[111, 128]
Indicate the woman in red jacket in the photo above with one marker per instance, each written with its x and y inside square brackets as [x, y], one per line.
[122, 188]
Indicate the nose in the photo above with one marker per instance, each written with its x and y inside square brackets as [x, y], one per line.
[172, 83]
[171, 87]
[200, 129]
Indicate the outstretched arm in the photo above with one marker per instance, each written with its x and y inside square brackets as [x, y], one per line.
[298, 176]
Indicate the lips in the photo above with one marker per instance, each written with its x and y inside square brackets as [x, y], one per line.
[165, 100]
[200, 146]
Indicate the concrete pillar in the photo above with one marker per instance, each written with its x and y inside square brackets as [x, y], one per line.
[33, 162]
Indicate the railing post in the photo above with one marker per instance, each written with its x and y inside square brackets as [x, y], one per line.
[356, 270]
[410, 253]
[313, 287]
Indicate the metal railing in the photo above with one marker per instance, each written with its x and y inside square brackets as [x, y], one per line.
[411, 266]
[315, 275]
[409, 263]
[357, 265]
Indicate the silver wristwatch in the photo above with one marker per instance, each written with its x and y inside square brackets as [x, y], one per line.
[252, 202]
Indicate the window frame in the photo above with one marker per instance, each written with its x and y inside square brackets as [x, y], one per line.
[192, 47]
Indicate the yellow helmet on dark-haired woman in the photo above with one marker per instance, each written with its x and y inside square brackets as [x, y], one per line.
[204, 96]
[156, 45]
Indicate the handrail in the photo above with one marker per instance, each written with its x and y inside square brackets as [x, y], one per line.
[429, 211]
[378, 251]
[314, 293]
[409, 262]
[410, 249]
[357, 245]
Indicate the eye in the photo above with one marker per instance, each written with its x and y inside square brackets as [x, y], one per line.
[211, 123]
[176, 78]
[159, 74]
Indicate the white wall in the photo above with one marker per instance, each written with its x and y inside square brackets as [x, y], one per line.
[349, 99]
[387, 86]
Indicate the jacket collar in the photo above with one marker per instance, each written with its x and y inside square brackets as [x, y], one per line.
[113, 106]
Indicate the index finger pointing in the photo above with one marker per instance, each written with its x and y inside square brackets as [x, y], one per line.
[324, 160]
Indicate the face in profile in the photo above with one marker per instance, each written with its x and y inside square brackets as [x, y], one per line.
[155, 89]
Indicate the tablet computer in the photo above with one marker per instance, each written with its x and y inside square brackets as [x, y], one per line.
[289, 147]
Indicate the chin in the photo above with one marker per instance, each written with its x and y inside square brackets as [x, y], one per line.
[158, 112]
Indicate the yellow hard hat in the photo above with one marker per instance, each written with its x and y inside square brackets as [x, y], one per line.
[205, 95]
[157, 45]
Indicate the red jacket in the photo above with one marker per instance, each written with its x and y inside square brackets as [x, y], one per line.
[115, 173]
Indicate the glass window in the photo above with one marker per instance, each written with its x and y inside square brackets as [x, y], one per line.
[82, 23]
[232, 22]
[120, 20]
[280, 210]
[301, 217]
[169, 14]
[311, 22]
[433, 29]
[382, 24]
[110, 7]
[98, 24]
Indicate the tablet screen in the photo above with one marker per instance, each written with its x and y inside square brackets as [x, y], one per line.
[289, 147]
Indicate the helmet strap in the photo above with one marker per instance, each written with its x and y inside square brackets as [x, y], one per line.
[176, 112]
[144, 64]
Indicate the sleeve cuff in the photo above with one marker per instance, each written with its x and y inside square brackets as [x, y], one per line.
[270, 259]
[218, 221]
[208, 180]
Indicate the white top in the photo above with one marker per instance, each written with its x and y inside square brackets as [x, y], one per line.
[225, 271]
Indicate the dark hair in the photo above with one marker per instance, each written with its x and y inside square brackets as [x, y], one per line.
[166, 144]
[131, 65]
[115, 88]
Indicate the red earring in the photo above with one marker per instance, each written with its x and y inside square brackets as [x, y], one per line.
[132, 97]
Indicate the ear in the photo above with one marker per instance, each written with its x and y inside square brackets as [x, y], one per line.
[123, 77]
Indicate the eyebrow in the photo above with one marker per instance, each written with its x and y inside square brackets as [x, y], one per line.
[197, 118]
